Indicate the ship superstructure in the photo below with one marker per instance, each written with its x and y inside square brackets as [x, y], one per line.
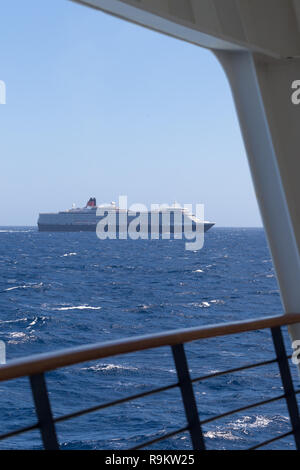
[173, 219]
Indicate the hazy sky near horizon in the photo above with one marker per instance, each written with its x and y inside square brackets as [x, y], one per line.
[100, 107]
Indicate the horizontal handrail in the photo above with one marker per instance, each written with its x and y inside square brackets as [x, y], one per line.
[243, 408]
[40, 363]
[161, 438]
[19, 431]
[120, 401]
[235, 369]
[270, 441]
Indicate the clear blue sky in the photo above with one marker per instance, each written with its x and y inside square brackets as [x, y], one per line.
[100, 107]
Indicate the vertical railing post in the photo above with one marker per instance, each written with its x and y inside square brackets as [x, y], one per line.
[43, 411]
[188, 397]
[287, 383]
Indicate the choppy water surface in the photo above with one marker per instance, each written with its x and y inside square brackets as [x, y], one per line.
[61, 290]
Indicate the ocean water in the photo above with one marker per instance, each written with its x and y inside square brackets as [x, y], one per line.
[60, 290]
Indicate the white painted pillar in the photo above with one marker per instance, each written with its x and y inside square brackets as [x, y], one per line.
[270, 124]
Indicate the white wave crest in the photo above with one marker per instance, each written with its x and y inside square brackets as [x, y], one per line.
[13, 321]
[221, 434]
[78, 307]
[25, 286]
[69, 254]
[247, 422]
[19, 337]
[108, 367]
[15, 231]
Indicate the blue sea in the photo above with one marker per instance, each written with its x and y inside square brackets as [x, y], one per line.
[60, 290]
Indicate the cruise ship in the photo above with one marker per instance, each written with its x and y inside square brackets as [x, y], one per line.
[172, 219]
